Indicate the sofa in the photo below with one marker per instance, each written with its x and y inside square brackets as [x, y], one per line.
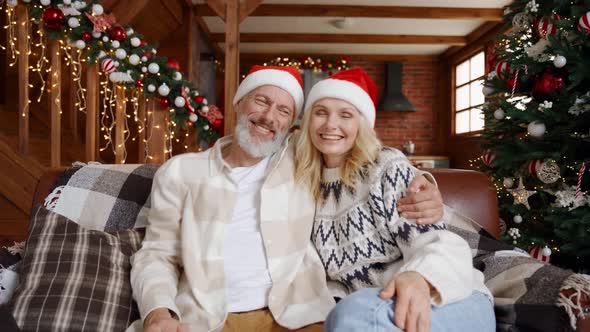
[66, 239]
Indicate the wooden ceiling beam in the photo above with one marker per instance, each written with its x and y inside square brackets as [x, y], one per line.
[126, 10]
[216, 7]
[488, 14]
[265, 57]
[247, 7]
[343, 38]
[219, 54]
[485, 32]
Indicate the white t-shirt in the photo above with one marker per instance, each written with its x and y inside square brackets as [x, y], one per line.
[248, 280]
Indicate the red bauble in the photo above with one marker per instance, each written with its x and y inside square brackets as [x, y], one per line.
[546, 84]
[142, 43]
[172, 63]
[164, 103]
[537, 253]
[53, 18]
[198, 99]
[217, 124]
[147, 54]
[488, 157]
[86, 36]
[117, 33]
[346, 58]
[139, 84]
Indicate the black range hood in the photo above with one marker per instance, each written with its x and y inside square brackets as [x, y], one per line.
[393, 99]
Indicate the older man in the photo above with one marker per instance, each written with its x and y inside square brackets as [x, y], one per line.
[228, 241]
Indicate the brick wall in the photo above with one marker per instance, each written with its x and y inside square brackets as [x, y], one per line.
[421, 86]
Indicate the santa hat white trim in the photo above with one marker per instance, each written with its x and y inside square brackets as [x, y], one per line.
[345, 90]
[278, 78]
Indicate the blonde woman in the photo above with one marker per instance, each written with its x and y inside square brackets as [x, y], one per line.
[392, 273]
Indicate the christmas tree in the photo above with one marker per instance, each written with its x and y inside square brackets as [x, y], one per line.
[536, 139]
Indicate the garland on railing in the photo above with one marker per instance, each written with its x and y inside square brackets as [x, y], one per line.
[316, 63]
[88, 34]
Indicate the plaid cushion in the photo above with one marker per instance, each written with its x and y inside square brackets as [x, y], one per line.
[104, 197]
[74, 279]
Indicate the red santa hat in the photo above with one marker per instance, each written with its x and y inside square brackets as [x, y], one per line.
[353, 86]
[285, 77]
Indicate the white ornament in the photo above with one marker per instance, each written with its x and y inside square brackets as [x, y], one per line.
[105, 39]
[487, 90]
[96, 35]
[545, 106]
[144, 69]
[73, 22]
[79, 4]
[67, 2]
[520, 22]
[537, 51]
[97, 9]
[186, 89]
[206, 127]
[517, 218]
[144, 58]
[205, 109]
[508, 182]
[179, 101]
[80, 44]
[559, 61]
[536, 128]
[115, 43]
[134, 59]
[499, 114]
[163, 90]
[118, 77]
[193, 117]
[177, 76]
[135, 42]
[130, 32]
[195, 93]
[154, 51]
[120, 53]
[546, 251]
[205, 102]
[11, 3]
[46, 2]
[101, 54]
[154, 68]
[116, 63]
[151, 88]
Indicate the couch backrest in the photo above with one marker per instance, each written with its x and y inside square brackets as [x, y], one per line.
[469, 192]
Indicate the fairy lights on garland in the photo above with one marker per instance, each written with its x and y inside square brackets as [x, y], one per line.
[316, 64]
[88, 34]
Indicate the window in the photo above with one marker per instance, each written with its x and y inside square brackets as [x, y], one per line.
[469, 77]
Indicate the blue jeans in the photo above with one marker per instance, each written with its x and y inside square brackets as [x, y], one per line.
[364, 311]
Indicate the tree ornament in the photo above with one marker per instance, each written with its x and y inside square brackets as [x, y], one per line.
[144, 69]
[86, 36]
[560, 61]
[144, 58]
[508, 183]
[120, 53]
[80, 44]
[153, 68]
[119, 77]
[487, 90]
[11, 3]
[115, 44]
[584, 23]
[517, 219]
[546, 251]
[536, 129]
[105, 39]
[179, 102]
[67, 2]
[520, 22]
[134, 59]
[97, 9]
[499, 114]
[163, 90]
[580, 174]
[101, 54]
[139, 84]
[193, 117]
[135, 42]
[151, 88]
[206, 127]
[46, 2]
[198, 99]
[537, 253]
[108, 65]
[53, 18]
[177, 76]
[164, 103]
[172, 63]
[546, 26]
[73, 22]
[217, 124]
[545, 85]
[521, 195]
[96, 34]
[546, 171]
[205, 109]
[488, 157]
[503, 70]
[117, 33]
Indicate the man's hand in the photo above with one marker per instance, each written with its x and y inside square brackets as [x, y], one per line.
[412, 301]
[423, 202]
[160, 320]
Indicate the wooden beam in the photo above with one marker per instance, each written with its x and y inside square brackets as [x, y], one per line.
[91, 111]
[219, 53]
[22, 15]
[232, 61]
[126, 10]
[247, 7]
[158, 131]
[343, 38]
[294, 10]
[481, 31]
[120, 124]
[265, 57]
[142, 129]
[477, 39]
[218, 8]
[175, 9]
[55, 100]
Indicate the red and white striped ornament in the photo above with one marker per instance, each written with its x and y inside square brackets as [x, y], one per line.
[488, 157]
[503, 70]
[546, 26]
[584, 23]
[534, 166]
[108, 65]
[537, 253]
[580, 174]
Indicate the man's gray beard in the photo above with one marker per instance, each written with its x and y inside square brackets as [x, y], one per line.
[252, 147]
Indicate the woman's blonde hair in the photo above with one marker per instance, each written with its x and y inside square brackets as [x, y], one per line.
[309, 161]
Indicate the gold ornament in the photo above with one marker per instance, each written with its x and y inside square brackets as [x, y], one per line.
[521, 195]
[548, 172]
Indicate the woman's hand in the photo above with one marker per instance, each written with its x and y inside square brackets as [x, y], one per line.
[423, 202]
[412, 301]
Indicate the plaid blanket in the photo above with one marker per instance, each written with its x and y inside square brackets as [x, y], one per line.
[527, 292]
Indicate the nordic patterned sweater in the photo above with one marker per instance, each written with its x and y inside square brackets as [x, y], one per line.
[364, 242]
